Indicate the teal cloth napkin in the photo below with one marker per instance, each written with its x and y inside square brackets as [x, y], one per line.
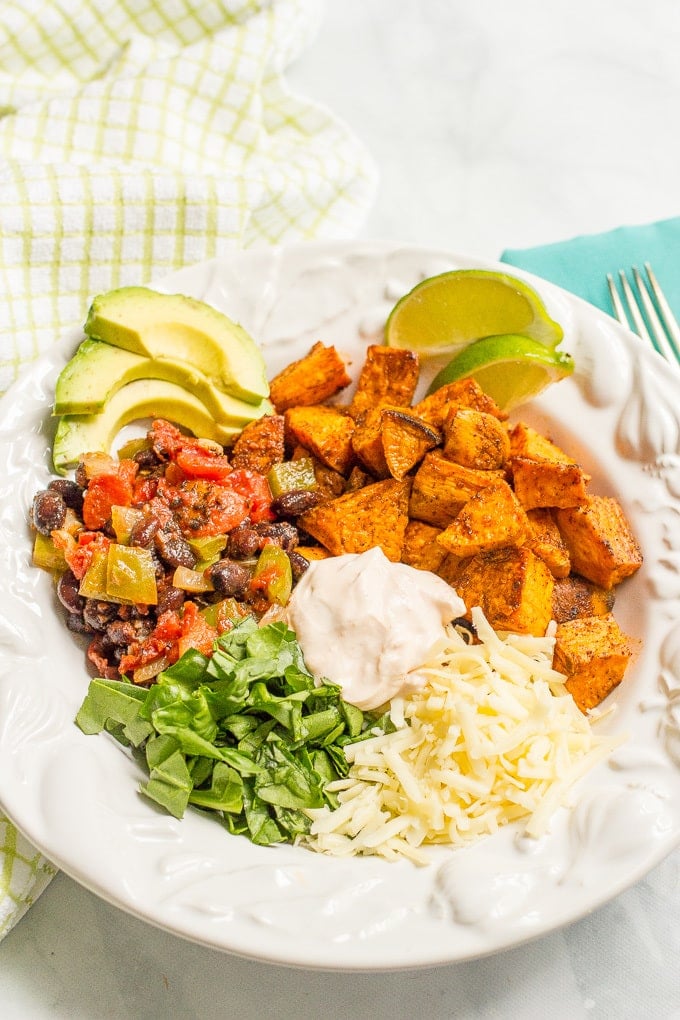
[581, 264]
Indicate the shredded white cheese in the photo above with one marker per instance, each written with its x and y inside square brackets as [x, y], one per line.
[492, 737]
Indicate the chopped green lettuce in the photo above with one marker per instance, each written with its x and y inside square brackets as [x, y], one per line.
[247, 733]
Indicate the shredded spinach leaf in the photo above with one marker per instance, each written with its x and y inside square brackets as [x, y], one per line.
[246, 733]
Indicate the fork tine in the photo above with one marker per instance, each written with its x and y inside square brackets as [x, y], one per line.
[634, 308]
[669, 319]
[617, 304]
[661, 340]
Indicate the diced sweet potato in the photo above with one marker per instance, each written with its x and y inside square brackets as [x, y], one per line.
[512, 586]
[475, 439]
[260, 445]
[367, 443]
[390, 442]
[325, 431]
[545, 540]
[594, 653]
[464, 392]
[376, 515]
[574, 597]
[441, 488]
[421, 549]
[406, 439]
[541, 483]
[310, 380]
[389, 377]
[527, 442]
[491, 519]
[601, 545]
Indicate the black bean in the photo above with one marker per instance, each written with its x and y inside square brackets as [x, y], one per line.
[229, 578]
[76, 624]
[244, 542]
[143, 531]
[48, 511]
[70, 492]
[67, 593]
[280, 533]
[146, 459]
[295, 502]
[298, 564]
[169, 598]
[99, 654]
[97, 614]
[121, 633]
[173, 549]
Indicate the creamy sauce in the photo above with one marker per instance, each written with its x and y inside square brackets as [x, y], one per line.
[366, 623]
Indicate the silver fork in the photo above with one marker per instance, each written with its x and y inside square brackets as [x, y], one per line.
[665, 332]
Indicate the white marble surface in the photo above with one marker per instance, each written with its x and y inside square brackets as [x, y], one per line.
[493, 125]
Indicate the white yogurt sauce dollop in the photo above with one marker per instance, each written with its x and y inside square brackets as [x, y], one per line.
[366, 623]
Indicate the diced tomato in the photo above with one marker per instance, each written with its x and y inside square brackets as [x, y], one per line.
[166, 439]
[79, 556]
[196, 631]
[255, 488]
[144, 490]
[204, 508]
[174, 474]
[200, 462]
[105, 491]
[163, 641]
[173, 634]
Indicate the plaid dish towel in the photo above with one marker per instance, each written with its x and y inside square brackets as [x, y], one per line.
[136, 138]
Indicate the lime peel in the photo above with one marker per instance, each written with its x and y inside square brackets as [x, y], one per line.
[446, 312]
[510, 368]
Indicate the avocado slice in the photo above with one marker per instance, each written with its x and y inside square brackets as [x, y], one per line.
[144, 398]
[98, 370]
[181, 328]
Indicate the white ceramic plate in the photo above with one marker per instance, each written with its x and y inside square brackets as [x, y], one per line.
[75, 797]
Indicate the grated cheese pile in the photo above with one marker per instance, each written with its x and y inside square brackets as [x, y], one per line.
[492, 737]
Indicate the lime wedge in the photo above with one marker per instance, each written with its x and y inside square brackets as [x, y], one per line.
[510, 368]
[446, 312]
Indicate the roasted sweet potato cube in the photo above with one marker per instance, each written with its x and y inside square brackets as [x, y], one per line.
[376, 515]
[512, 586]
[440, 488]
[545, 540]
[574, 597]
[421, 549]
[367, 443]
[325, 431]
[260, 445]
[601, 545]
[389, 377]
[593, 652]
[491, 519]
[527, 442]
[406, 439]
[464, 393]
[310, 380]
[552, 483]
[475, 439]
[390, 441]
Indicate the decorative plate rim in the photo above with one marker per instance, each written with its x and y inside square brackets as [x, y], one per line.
[75, 797]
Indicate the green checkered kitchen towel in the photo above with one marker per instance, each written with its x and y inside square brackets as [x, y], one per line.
[137, 137]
